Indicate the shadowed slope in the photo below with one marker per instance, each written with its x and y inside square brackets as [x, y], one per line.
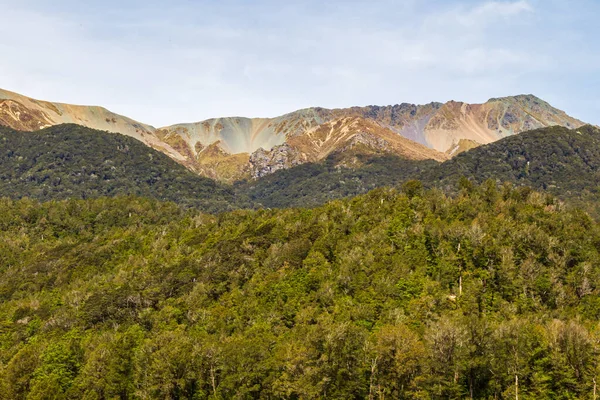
[71, 161]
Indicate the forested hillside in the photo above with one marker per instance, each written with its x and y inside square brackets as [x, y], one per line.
[388, 295]
[71, 161]
[314, 184]
[563, 162]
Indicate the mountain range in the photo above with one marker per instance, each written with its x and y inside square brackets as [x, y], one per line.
[230, 149]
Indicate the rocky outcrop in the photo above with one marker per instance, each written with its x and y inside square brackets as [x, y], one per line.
[264, 162]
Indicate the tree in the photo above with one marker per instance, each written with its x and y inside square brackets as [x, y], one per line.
[397, 358]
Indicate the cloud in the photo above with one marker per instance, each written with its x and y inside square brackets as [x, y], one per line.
[490, 12]
[196, 60]
[501, 8]
[482, 15]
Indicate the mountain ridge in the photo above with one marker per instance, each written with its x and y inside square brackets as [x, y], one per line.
[448, 128]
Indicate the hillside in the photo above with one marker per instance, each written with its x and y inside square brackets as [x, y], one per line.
[558, 160]
[412, 295]
[228, 149]
[314, 184]
[26, 114]
[70, 161]
[563, 162]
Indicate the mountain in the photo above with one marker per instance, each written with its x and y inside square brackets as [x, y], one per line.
[229, 149]
[346, 137]
[27, 114]
[491, 121]
[449, 128]
[443, 126]
[293, 139]
[72, 161]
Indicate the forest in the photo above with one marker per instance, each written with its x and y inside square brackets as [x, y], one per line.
[557, 160]
[71, 161]
[488, 293]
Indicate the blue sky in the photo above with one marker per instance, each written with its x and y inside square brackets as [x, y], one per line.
[183, 60]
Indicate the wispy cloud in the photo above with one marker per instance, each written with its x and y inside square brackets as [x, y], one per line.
[494, 9]
[480, 15]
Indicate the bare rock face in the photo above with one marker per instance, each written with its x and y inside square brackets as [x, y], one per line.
[17, 116]
[228, 149]
[345, 135]
[264, 162]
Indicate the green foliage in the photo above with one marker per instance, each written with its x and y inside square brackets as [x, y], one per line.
[314, 184]
[563, 162]
[408, 294]
[412, 188]
[71, 161]
[486, 293]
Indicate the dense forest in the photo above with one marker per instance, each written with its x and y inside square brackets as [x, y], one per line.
[462, 282]
[314, 184]
[560, 161]
[563, 162]
[71, 161]
[413, 294]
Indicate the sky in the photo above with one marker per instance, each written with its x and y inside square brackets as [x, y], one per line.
[167, 62]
